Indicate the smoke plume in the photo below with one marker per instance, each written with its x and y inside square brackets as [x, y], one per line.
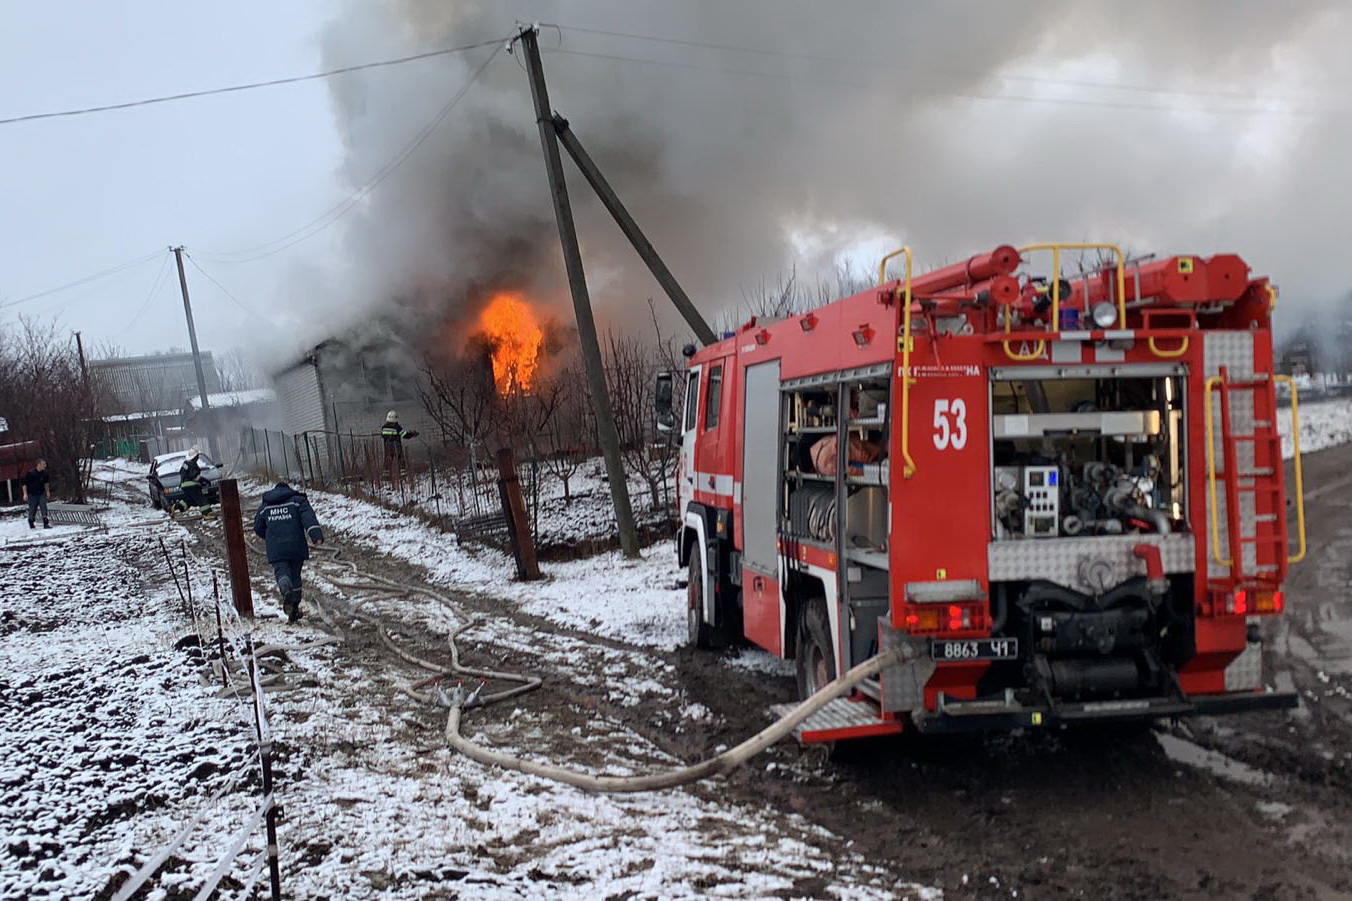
[767, 136]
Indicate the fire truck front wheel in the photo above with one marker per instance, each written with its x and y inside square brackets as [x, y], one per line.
[816, 660]
[701, 634]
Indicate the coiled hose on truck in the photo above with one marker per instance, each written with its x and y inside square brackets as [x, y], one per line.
[458, 700]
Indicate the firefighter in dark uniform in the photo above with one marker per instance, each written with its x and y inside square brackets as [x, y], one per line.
[285, 520]
[393, 435]
[190, 482]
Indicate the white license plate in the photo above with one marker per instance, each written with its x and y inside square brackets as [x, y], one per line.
[974, 649]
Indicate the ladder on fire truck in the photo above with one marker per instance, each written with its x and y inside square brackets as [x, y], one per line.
[1250, 450]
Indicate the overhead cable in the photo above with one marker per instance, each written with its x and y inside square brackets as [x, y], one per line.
[83, 281]
[874, 63]
[333, 214]
[964, 95]
[187, 95]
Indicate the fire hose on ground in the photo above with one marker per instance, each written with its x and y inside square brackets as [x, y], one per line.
[458, 700]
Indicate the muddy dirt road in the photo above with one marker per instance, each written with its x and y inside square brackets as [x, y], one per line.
[1246, 807]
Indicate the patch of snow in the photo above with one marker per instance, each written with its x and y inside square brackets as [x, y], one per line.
[757, 661]
[1324, 423]
[1183, 751]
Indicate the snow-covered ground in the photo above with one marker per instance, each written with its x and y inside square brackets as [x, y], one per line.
[1323, 423]
[607, 595]
[585, 515]
[115, 738]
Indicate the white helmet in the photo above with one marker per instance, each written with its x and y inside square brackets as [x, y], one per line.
[390, 416]
[192, 453]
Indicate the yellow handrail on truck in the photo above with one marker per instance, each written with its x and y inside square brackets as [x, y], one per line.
[908, 465]
[1056, 248]
[1300, 480]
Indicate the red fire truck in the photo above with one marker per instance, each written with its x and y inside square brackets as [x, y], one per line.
[1060, 496]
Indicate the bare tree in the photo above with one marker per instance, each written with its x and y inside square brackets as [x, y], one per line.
[631, 366]
[571, 428]
[460, 397]
[236, 372]
[46, 397]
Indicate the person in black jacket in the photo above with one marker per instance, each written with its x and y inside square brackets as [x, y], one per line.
[285, 520]
[35, 492]
[190, 482]
[394, 435]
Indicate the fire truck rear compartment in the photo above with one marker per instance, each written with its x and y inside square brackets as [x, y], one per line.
[1086, 454]
[1125, 643]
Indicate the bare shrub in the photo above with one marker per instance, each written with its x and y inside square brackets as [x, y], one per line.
[46, 397]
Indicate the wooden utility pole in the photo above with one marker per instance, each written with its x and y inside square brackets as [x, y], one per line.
[514, 508]
[626, 222]
[237, 560]
[197, 360]
[607, 433]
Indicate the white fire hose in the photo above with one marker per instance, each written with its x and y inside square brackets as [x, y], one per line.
[459, 699]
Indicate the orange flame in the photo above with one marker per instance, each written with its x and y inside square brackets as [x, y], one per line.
[514, 337]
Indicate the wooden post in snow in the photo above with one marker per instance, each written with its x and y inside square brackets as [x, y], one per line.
[232, 522]
[514, 508]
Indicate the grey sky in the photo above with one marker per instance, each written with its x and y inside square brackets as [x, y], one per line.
[930, 124]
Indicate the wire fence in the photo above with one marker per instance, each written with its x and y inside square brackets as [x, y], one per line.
[232, 657]
[403, 474]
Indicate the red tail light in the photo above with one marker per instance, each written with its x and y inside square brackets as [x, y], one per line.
[1241, 603]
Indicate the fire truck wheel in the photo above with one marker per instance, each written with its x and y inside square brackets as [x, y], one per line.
[816, 659]
[700, 633]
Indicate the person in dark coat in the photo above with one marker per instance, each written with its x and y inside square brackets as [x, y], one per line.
[190, 482]
[394, 435]
[35, 493]
[285, 520]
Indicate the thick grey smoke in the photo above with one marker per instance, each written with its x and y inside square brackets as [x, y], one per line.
[952, 127]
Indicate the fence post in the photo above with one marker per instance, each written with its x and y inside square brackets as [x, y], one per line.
[265, 758]
[267, 446]
[514, 509]
[232, 521]
[220, 630]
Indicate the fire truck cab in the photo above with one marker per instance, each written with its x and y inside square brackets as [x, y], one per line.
[1060, 495]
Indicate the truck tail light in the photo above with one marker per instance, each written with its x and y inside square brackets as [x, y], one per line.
[1243, 601]
[924, 620]
[947, 618]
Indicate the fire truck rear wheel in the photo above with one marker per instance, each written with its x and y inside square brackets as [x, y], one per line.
[815, 657]
[698, 631]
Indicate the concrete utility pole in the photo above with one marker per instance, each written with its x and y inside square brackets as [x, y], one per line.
[631, 231]
[577, 284]
[197, 360]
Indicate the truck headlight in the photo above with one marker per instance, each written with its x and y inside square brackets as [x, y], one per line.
[1104, 314]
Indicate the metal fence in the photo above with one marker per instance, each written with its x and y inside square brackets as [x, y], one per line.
[232, 658]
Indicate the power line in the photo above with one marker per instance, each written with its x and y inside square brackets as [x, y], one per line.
[323, 221]
[187, 95]
[239, 303]
[82, 281]
[873, 63]
[964, 95]
[154, 290]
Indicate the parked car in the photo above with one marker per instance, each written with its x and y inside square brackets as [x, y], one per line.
[164, 479]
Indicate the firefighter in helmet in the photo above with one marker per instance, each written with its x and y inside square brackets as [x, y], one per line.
[393, 434]
[191, 482]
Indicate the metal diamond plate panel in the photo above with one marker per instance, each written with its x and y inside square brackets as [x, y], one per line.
[903, 683]
[1062, 560]
[1245, 672]
[1233, 350]
[840, 713]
